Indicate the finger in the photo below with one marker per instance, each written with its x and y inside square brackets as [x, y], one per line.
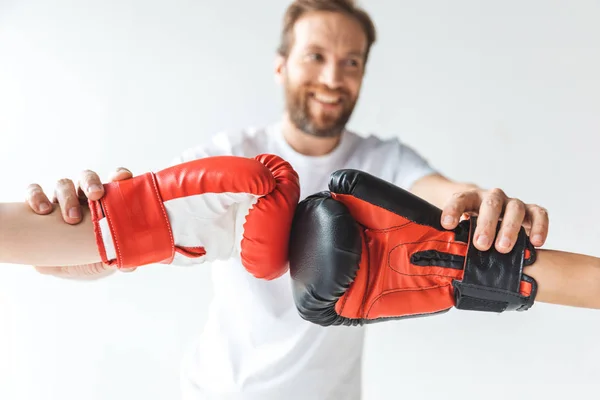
[127, 269]
[37, 199]
[120, 174]
[459, 204]
[539, 224]
[527, 222]
[90, 185]
[489, 213]
[512, 221]
[81, 195]
[66, 196]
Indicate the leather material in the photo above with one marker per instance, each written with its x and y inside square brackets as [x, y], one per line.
[487, 269]
[136, 217]
[267, 228]
[330, 238]
[407, 264]
[201, 211]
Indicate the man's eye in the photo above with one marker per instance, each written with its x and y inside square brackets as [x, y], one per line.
[352, 63]
[315, 57]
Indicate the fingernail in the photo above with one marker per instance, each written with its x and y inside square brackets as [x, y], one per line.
[538, 238]
[44, 207]
[483, 240]
[504, 242]
[94, 188]
[448, 220]
[73, 212]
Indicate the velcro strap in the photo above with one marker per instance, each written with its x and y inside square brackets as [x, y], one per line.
[492, 280]
[480, 298]
[138, 222]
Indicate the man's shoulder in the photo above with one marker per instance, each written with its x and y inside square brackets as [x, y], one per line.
[237, 142]
[392, 158]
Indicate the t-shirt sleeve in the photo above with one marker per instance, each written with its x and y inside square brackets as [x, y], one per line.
[410, 166]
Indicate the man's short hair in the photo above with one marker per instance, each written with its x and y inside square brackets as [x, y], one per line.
[347, 7]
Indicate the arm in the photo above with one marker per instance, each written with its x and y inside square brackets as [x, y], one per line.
[492, 207]
[45, 240]
[437, 189]
[66, 195]
[565, 278]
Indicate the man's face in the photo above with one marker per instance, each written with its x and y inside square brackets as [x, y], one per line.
[323, 73]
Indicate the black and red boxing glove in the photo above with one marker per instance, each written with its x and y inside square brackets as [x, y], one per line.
[368, 251]
[200, 211]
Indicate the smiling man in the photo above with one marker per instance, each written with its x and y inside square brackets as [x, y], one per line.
[255, 345]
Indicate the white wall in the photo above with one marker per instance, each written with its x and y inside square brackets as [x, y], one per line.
[503, 94]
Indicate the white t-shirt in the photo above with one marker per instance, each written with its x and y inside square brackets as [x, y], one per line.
[255, 346]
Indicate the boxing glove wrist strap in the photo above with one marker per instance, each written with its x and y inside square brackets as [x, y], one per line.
[143, 234]
[493, 281]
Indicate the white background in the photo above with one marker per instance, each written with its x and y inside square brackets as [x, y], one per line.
[503, 94]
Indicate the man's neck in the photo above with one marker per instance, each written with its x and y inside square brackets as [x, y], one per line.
[306, 144]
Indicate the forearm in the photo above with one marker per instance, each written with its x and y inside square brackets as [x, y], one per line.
[566, 278]
[44, 240]
[438, 190]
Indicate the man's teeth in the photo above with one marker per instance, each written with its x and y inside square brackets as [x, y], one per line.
[323, 98]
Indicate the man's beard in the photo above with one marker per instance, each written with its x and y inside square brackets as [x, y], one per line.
[297, 102]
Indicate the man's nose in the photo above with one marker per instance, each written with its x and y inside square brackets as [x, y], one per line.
[331, 75]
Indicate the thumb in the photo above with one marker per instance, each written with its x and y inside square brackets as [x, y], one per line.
[127, 269]
[120, 174]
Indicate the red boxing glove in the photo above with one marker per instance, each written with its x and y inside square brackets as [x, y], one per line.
[200, 211]
[369, 251]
